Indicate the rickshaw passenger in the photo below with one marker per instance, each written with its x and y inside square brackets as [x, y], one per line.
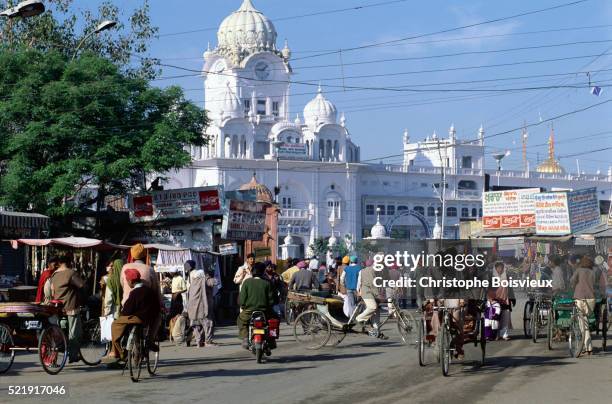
[65, 286]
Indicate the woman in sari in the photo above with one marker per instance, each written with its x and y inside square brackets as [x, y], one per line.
[113, 291]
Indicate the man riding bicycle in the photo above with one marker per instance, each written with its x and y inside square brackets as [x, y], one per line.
[141, 307]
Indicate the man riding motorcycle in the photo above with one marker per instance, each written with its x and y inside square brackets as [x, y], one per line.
[256, 294]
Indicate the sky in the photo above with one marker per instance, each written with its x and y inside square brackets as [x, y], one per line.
[433, 65]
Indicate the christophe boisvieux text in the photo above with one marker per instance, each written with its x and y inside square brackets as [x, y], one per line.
[459, 262]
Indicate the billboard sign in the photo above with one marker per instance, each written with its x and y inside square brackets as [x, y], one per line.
[175, 203]
[244, 220]
[292, 151]
[583, 209]
[510, 209]
[564, 213]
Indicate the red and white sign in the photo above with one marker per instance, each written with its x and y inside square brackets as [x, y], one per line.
[512, 209]
[176, 203]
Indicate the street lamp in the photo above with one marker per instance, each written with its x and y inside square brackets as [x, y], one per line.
[277, 144]
[499, 157]
[103, 26]
[25, 9]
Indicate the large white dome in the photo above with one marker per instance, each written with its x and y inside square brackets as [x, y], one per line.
[247, 30]
[320, 110]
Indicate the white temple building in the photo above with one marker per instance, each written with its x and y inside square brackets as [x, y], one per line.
[247, 98]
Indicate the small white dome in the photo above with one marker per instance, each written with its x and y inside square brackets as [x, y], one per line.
[289, 239]
[232, 106]
[378, 231]
[320, 110]
[247, 29]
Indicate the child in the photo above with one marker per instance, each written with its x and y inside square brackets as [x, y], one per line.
[492, 316]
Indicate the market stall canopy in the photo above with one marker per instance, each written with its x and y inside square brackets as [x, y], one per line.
[73, 242]
[163, 247]
[504, 233]
[23, 220]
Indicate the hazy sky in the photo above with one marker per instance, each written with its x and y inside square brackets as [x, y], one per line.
[376, 118]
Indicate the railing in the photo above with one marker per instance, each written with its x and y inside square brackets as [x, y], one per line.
[294, 214]
[548, 176]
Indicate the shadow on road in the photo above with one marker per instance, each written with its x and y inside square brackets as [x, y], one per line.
[498, 364]
[320, 357]
[240, 372]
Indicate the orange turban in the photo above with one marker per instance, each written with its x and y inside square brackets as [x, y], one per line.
[138, 251]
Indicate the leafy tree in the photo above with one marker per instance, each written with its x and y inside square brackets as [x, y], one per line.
[65, 23]
[71, 126]
[320, 247]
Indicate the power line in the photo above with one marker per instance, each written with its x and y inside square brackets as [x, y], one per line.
[294, 17]
[376, 44]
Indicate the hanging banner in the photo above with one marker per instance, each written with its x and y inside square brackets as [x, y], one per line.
[228, 249]
[564, 213]
[511, 209]
[244, 220]
[175, 203]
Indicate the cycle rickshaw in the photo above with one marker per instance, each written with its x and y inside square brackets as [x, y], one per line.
[470, 328]
[326, 323]
[536, 314]
[564, 324]
[43, 328]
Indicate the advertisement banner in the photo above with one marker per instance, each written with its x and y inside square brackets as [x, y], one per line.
[511, 209]
[175, 203]
[228, 249]
[552, 214]
[289, 151]
[583, 209]
[244, 220]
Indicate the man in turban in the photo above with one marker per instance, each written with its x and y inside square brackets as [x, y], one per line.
[148, 278]
[141, 307]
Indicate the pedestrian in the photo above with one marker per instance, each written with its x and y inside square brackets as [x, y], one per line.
[43, 293]
[583, 282]
[393, 293]
[65, 286]
[276, 283]
[304, 279]
[492, 315]
[293, 268]
[344, 263]
[113, 291]
[178, 287]
[505, 296]
[200, 306]
[558, 277]
[369, 292]
[348, 280]
[244, 271]
[149, 279]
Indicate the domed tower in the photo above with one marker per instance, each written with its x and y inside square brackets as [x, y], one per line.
[263, 193]
[248, 62]
[551, 164]
[320, 111]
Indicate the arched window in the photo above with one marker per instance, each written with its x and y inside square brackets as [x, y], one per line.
[334, 205]
[451, 211]
[474, 212]
[431, 211]
[321, 150]
[465, 212]
[336, 150]
[328, 150]
[419, 209]
[289, 139]
[480, 212]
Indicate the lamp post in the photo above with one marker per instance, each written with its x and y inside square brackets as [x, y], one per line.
[277, 144]
[103, 26]
[499, 157]
[25, 9]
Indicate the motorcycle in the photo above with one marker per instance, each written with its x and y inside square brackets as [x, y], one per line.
[263, 334]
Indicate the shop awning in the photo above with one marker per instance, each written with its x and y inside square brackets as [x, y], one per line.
[73, 242]
[22, 220]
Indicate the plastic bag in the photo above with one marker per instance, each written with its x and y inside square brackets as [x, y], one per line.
[105, 328]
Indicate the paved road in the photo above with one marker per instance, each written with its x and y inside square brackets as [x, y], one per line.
[360, 369]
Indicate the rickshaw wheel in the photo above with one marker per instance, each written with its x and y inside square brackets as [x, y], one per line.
[421, 342]
[604, 329]
[405, 326]
[483, 341]
[7, 355]
[311, 329]
[527, 318]
[445, 352]
[52, 349]
[92, 350]
[336, 338]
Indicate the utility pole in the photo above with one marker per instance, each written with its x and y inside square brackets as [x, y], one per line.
[443, 191]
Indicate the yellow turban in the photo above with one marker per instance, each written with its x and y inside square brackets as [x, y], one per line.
[346, 260]
[138, 252]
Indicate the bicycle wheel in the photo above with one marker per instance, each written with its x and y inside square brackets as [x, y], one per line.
[405, 326]
[135, 354]
[527, 319]
[550, 330]
[444, 345]
[336, 338]
[52, 349]
[483, 341]
[152, 360]
[92, 349]
[311, 329]
[421, 342]
[7, 354]
[604, 328]
[575, 337]
[535, 317]
[289, 312]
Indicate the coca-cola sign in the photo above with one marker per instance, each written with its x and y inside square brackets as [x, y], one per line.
[510, 209]
[176, 203]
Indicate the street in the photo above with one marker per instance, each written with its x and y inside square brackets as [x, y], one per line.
[360, 369]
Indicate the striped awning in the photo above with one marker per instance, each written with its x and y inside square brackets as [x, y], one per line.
[21, 220]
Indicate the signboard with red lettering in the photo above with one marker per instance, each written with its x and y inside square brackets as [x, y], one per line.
[244, 220]
[511, 209]
[176, 203]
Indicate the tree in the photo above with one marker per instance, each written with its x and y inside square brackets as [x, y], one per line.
[72, 126]
[64, 24]
[320, 247]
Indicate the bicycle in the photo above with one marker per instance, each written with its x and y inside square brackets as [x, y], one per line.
[138, 352]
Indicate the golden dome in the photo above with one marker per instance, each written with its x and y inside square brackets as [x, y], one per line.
[263, 193]
[551, 164]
